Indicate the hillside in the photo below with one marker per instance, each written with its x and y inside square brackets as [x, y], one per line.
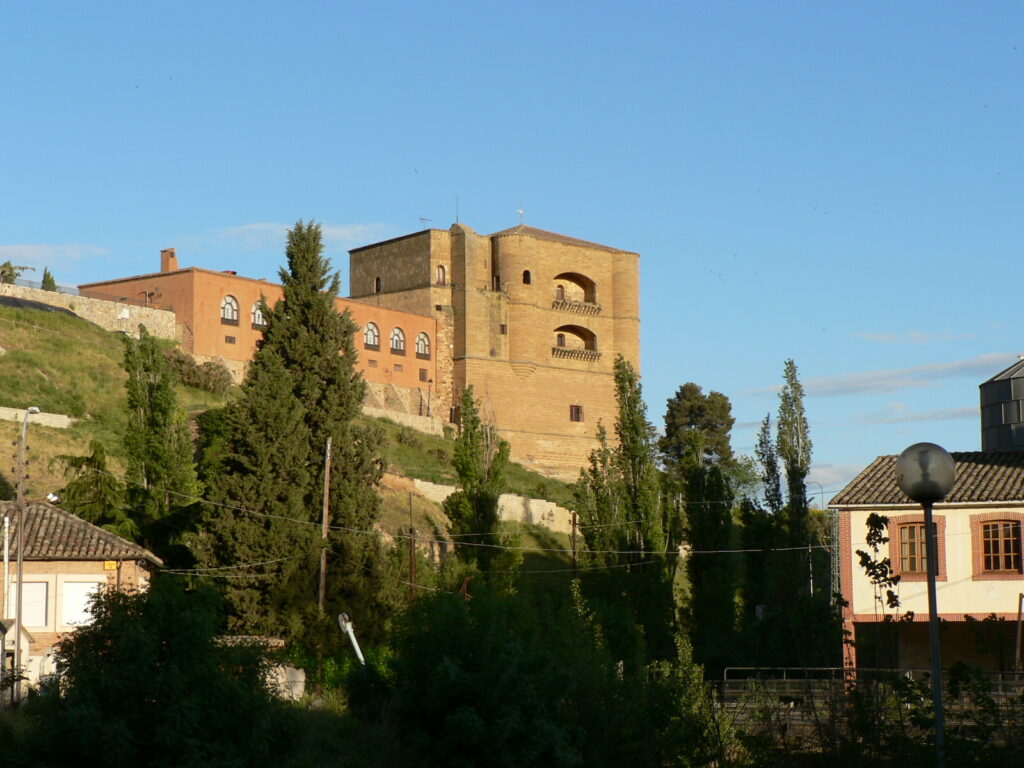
[66, 365]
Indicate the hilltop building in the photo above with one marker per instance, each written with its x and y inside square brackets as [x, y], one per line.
[533, 320]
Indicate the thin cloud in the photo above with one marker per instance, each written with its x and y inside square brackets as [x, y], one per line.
[898, 413]
[49, 255]
[832, 477]
[912, 337]
[273, 234]
[894, 379]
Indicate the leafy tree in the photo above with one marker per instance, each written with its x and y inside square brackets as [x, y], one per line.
[624, 523]
[148, 683]
[691, 413]
[95, 494]
[9, 273]
[49, 284]
[301, 388]
[793, 442]
[479, 459]
[161, 476]
[7, 489]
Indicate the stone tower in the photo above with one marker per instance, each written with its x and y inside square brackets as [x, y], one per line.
[533, 320]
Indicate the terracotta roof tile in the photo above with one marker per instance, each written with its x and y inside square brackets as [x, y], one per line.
[981, 476]
[55, 534]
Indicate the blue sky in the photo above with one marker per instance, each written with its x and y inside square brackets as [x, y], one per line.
[840, 183]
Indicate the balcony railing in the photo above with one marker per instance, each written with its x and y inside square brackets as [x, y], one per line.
[580, 307]
[575, 353]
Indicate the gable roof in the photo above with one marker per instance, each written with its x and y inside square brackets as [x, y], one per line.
[543, 234]
[52, 533]
[981, 476]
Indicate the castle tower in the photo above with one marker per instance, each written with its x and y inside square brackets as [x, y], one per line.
[532, 319]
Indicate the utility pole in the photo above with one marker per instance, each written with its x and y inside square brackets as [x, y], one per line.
[22, 476]
[324, 527]
[412, 553]
[573, 539]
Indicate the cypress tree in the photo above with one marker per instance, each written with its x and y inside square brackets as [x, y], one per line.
[48, 284]
[301, 388]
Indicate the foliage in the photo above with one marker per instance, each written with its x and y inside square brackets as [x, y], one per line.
[266, 467]
[624, 523]
[95, 494]
[501, 681]
[209, 376]
[148, 683]
[48, 284]
[161, 476]
[7, 489]
[793, 442]
[479, 459]
[698, 455]
[9, 273]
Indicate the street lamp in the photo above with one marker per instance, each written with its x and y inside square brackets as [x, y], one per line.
[21, 548]
[925, 472]
[345, 622]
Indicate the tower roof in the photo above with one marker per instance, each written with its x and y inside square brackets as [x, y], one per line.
[543, 234]
[1015, 371]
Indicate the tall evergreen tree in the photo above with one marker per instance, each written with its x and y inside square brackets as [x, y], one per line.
[301, 388]
[161, 476]
[48, 284]
[697, 454]
[95, 494]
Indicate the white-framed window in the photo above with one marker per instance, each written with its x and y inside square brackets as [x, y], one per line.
[36, 612]
[371, 336]
[229, 310]
[258, 321]
[423, 346]
[75, 597]
[398, 341]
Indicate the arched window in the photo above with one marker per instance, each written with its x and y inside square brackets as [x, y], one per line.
[560, 292]
[397, 341]
[376, 285]
[527, 278]
[423, 346]
[258, 321]
[442, 275]
[371, 336]
[229, 310]
[560, 340]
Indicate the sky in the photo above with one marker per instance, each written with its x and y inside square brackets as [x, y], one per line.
[836, 183]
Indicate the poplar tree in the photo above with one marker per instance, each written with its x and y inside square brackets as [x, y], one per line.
[161, 479]
[793, 442]
[301, 388]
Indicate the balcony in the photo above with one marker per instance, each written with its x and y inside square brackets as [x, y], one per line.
[579, 307]
[576, 353]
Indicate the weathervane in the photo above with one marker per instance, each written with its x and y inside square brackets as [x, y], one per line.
[522, 214]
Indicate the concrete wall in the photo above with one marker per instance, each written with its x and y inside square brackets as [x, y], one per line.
[111, 315]
[55, 420]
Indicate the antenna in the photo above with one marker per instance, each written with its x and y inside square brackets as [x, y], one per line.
[424, 221]
[522, 214]
[456, 209]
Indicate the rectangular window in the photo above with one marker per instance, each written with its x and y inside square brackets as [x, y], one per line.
[1001, 546]
[371, 363]
[229, 339]
[399, 367]
[913, 552]
[423, 374]
[35, 612]
[575, 413]
[503, 329]
[75, 603]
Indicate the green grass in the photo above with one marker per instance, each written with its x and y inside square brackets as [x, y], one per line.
[67, 365]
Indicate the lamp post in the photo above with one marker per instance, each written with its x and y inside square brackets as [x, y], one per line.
[19, 609]
[925, 472]
[430, 387]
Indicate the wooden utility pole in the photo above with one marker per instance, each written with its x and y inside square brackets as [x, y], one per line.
[412, 554]
[573, 539]
[324, 527]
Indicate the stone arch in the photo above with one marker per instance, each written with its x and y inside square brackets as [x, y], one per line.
[572, 286]
[575, 337]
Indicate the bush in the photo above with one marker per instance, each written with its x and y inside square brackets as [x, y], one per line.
[210, 376]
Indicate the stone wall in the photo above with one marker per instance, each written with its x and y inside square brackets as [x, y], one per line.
[111, 315]
[520, 509]
[55, 420]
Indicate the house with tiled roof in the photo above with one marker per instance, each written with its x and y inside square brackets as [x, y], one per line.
[65, 561]
[978, 540]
